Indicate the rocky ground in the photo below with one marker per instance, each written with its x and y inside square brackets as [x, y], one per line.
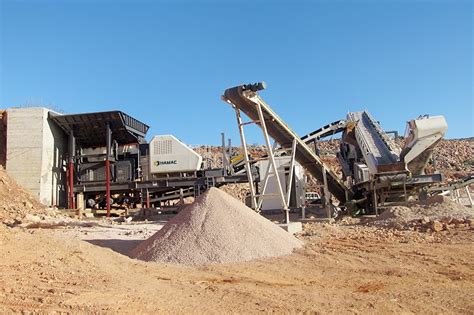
[344, 267]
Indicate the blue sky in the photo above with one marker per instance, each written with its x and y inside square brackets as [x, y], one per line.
[167, 62]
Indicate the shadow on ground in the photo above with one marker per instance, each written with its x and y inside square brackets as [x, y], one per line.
[123, 247]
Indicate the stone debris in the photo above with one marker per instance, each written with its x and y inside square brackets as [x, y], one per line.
[16, 203]
[455, 156]
[238, 191]
[436, 226]
[436, 214]
[216, 228]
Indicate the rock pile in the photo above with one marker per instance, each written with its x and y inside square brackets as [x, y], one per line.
[238, 191]
[436, 214]
[16, 202]
[216, 228]
[455, 157]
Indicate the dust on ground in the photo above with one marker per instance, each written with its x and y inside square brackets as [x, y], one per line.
[344, 267]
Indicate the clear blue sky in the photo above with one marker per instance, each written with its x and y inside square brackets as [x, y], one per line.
[167, 62]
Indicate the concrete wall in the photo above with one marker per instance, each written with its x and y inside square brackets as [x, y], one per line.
[36, 149]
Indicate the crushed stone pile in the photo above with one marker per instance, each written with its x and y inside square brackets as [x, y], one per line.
[216, 228]
[15, 202]
[455, 156]
[436, 214]
[238, 191]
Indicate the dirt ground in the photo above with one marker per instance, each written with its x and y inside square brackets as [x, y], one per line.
[343, 268]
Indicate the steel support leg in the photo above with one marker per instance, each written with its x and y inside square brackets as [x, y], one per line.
[72, 150]
[292, 171]
[71, 185]
[147, 199]
[272, 159]
[469, 196]
[327, 197]
[107, 186]
[225, 161]
[108, 141]
[375, 202]
[248, 169]
[265, 182]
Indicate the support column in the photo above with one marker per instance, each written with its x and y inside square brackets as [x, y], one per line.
[272, 159]
[80, 204]
[108, 141]
[469, 195]
[375, 202]
[248, 169]
[292, 171]
[268, 172]
[147, 199]
[72, 150]
[225, 162]
[327, 196]
[458, 196]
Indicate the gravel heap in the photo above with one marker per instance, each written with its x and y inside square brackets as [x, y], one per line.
[238, 191]
[16, 202]
[435, 207]
[216, 228]
[436, 214]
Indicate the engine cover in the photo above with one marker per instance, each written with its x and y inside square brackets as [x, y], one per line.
[169, 155]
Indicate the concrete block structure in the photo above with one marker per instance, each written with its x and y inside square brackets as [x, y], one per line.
[36, 152]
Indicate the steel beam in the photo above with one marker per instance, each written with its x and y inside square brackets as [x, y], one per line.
[107, 167]
[72, 150]
[263, 126]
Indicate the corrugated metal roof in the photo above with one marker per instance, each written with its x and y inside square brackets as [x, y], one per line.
[89, 129]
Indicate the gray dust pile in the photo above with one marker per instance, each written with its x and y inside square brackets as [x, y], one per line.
[216, 228]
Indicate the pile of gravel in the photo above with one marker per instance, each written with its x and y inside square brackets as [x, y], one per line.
[436, 214]
[216, 228]
[434, 208]
[16, 202]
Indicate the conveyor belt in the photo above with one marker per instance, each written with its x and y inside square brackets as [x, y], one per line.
[374, 143]
[328, 130]
[375, 148]
[245, 98]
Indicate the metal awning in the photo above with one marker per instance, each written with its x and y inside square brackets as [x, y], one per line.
[89, 129]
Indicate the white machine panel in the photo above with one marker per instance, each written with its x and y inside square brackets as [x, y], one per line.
[429, 126]
[423, 133]
[283, 163]
[169, 155]
[361, 172]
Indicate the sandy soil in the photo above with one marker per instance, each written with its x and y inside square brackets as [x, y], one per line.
[346, 268]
